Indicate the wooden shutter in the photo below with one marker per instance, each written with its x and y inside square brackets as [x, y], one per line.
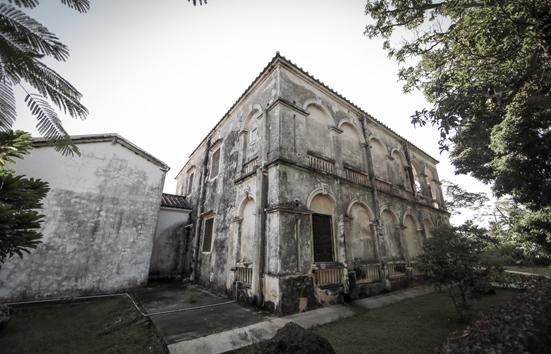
[323, 238]
[207, 235]
[190, 184]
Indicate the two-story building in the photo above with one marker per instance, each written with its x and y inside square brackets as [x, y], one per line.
[298, 196]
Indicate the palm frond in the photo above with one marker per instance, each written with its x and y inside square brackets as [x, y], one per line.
[30, 34]
[8, 112]
[24, 3]
[54, 87]
[49, 125]
[201, 2]
[79, 5]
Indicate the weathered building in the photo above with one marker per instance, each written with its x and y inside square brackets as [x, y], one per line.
[171, 245]
[100, 218]
[298, 196]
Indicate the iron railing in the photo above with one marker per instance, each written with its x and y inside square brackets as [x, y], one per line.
[244, 275]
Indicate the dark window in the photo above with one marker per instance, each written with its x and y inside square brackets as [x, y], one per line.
[323, 238]
[215, 164]
[190, 183]
[207, 235]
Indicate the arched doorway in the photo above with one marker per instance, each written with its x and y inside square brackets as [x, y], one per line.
[323, 210]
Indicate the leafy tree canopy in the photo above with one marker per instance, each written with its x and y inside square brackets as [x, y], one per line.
[485, 68]
[20, 197]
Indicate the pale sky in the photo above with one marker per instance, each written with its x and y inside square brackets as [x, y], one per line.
[163, 73]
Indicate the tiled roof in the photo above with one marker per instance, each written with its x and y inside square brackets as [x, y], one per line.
[174, 201]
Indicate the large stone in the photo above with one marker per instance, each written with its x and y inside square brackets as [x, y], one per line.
[292, 338]
[5, 316]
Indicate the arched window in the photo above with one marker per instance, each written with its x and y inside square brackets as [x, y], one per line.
[433, 187]
[379, 156]
[392, 235]
[190, 175]
[250, 137]
[318, 137]
[362, 246]
[323, 208]
[350, 144]
[248, 222]
[215, 157]
[398, 176]
[427, 226]
[411, 234]
[416, 182]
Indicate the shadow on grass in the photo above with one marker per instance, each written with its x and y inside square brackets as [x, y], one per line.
[109, 325]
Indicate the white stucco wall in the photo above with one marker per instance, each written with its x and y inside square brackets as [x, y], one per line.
[171, 243]
[100, 217]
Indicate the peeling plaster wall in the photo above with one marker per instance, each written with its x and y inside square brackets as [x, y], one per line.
[241, 136]
[100, 217]
[171, 244]
[314, 143]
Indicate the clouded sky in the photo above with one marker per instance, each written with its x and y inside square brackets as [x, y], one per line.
[162, 73]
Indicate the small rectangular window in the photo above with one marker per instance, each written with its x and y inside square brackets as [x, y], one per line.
[189, 184]
[215, 163]
[207, 235]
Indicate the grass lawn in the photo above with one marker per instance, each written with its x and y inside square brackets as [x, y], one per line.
[412, 326]
[543, 270]
[108, 325]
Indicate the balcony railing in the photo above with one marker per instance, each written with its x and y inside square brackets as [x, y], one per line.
[249, 166]
[328, 276]
[356, 177]
[396, 270]
[321, 164]
[383, 185]
[415, 271]
[368, 273]
[244, 275]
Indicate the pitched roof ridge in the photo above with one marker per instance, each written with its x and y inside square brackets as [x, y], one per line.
[106, 137]
[279, 56]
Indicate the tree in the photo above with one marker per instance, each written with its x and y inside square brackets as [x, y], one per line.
[518, 235]
[456, 198]
[20, 197]
[452, 262]
[485, 68]
[24, 43]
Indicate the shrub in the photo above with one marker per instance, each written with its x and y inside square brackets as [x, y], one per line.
[521, 326]
[452, 262]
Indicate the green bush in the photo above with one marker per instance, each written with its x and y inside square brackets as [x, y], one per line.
[452, 262]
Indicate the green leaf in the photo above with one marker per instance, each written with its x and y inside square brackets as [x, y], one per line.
[49, 124]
